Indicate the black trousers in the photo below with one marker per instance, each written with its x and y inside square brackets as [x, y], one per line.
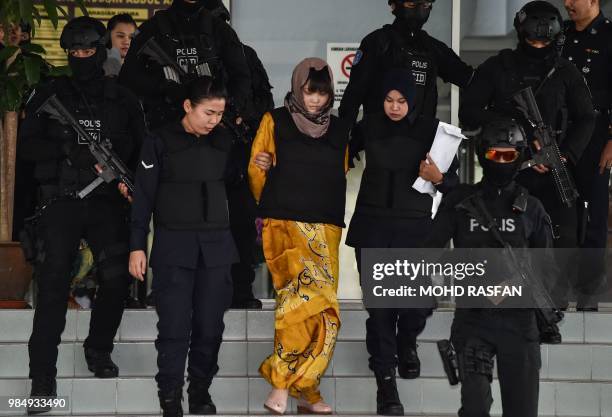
[565, 230]
[389, 330]
[190, 305]
[103, 223]
[242, 210]
[593, 188]
[510, 337]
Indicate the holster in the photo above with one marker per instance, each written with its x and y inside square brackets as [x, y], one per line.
[29, 241]
[449, 361]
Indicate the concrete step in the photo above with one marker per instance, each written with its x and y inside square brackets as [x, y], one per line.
[576, 376]
[568, 362]
[258, 325]
[424, 396]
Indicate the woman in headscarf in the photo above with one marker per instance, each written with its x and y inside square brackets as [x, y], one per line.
[297, 175]
[389, 213]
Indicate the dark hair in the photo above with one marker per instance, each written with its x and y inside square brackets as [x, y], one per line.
[114, 21]
[25, 27]
[120, 18]
[320, 81]
[205, 88]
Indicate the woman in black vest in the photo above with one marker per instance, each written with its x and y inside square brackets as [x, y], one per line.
[391, 214]
[181, 182]
[301, 198]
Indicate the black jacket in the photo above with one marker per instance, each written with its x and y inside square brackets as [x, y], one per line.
[393, 152]
[146, 78]
[564, 99]
[532, 228]
[387, 205]
[590, 50]
[174, 247]
[390, 47]
[63, 163]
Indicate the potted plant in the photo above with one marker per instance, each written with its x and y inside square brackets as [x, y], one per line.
[21, 68]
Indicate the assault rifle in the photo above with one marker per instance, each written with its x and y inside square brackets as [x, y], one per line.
[175, 72]
[545, 308]
[547, 150]
[544, 304]
[109, 166]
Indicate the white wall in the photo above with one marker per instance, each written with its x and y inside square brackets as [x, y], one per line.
[285, 31]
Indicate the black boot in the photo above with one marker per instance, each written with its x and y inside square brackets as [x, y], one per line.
[247, 304]
[587, 303]
[42, 386]
[387, 399]
[199, 399]
[171, 402]
[409, 366]
[550, 335]
[101, 364]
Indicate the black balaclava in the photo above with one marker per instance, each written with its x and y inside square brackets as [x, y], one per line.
[411, 18]
[187, 8]
[500, 133]
[85, 33]
[538, 53]
[86, 69]
[499, 174]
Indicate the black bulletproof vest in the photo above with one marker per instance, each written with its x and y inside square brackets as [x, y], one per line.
[104, 117]
[399, 53]
[190, 43]
[308, 182]
[520, 72]
[471, 234]
[191, 193]
[511, 224]
[392, 166]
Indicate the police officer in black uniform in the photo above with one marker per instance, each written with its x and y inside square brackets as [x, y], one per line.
[588, 45]
[180, 181]
[510, 335]
[389, 213]
[64, 166]
[195, 34]
[199, 43]
[563, 99]
[403, 44]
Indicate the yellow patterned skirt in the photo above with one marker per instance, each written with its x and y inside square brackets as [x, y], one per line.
[303, 261]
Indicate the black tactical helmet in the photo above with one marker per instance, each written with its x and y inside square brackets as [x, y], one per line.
[218, 9]
[500, 168]
[83, 33]
[503, 133]
[538, 20]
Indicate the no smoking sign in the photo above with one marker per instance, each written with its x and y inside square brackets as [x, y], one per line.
[340, 57]
[347, 64]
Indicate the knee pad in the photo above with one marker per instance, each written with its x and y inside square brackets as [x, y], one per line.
[475, 359]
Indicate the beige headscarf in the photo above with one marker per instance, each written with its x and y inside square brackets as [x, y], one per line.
[313, 125]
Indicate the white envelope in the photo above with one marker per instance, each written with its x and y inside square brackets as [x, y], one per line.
[443, 150]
